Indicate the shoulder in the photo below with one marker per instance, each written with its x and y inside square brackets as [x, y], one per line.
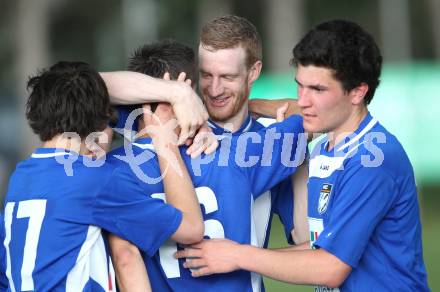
[382, 150]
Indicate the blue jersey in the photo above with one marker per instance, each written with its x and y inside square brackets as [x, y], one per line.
[363, 209]
[278, 200]
[3, 279]
[55, 208]
[227, 183]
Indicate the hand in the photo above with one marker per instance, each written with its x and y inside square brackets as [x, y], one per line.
[188, 107]
[211, 256]
[281, 112]
[160, 125]
[204, 141]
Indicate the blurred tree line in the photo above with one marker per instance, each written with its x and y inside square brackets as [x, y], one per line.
[37, 33]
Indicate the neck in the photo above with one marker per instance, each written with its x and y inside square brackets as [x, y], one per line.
[347, 128]
[70, 144]
[234, 123]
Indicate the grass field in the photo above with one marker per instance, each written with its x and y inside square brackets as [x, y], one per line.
[431, 243]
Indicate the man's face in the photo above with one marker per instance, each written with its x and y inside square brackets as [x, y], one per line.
[325, 105]
[224, 82]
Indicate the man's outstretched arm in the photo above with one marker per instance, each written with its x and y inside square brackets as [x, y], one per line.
[131, 273]
[178, 187]
[268, 107]
[126, 87]
[312, 267]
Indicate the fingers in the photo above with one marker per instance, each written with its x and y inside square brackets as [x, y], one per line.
[184, 134]
[196, 150]
[194, 263]
[146, 109]
[188, 253]
[212, 147]
[167, 76]
[204, 141]
[281, 112]
[190, 112]
[182, 76]
[204, 271]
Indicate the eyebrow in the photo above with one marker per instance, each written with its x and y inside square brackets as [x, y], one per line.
[313, 86]
[231, 75]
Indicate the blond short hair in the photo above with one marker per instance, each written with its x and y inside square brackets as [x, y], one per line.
[231, 31]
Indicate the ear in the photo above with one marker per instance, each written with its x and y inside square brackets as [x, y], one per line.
[358, 93]
[254, 72]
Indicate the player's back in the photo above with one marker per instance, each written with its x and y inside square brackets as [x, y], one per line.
[49, 243]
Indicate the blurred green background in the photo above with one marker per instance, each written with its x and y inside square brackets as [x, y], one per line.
[35, 34]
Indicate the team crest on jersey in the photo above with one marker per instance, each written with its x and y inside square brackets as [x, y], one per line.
[324, 197]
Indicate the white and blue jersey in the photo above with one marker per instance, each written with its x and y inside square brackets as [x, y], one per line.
[55, 207]
[363, 209]
[278, 200]
[227, 182]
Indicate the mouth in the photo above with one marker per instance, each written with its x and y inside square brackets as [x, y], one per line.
[307, 116]
[219, 101]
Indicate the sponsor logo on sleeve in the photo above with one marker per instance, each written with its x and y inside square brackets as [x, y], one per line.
[324, 197]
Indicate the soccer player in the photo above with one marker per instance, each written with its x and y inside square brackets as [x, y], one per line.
[230, 61]
[59, 199]
[365, 229]
[226, 184]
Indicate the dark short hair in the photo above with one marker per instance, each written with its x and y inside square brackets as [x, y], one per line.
[165, 56]
[231, 31]
[157, 58]
[345, 48]
[67, 97]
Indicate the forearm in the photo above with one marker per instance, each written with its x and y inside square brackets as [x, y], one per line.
[300, 233]
[268, 108]
[310, 267]
[180, 193]
[301, 246]
[126, 87]
[130, 269]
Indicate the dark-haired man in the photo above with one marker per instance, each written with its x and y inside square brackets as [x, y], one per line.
[59, 199]
[364, 219]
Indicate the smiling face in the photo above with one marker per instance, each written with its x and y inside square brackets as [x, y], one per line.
[225, 83]
[325, 105]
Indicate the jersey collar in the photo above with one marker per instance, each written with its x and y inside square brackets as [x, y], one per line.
[366, 125]
[144, 143]
[245, 127]
[51, 152]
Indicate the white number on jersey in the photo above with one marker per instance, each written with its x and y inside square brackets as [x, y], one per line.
[35, 211]
[213, 229]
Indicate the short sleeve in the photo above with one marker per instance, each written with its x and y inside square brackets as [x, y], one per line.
[364, 197]
[279, 149]
[122, 207]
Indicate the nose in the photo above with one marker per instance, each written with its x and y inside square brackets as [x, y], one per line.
[303, 97]
[215, 88]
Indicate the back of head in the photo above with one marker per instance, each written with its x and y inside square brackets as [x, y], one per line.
[231, 31]
[345, 48]
[67, 97]
[166, 56]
